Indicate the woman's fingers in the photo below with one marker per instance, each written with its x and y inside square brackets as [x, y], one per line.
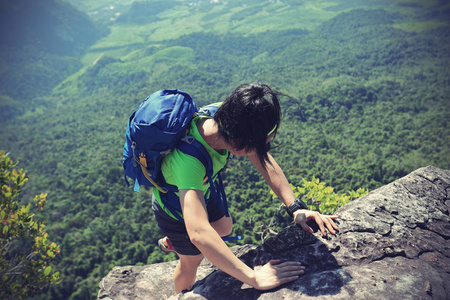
[275, 273]
[290, 268]
[303, 216]
[301, 220]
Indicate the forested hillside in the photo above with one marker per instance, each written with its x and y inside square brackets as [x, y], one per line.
[365, 101]
[41, 43]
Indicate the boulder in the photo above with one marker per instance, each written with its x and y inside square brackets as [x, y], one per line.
[392, 243]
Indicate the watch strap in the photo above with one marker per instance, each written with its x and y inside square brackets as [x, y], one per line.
[298, 204]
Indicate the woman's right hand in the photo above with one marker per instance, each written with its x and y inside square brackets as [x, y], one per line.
[276, 273]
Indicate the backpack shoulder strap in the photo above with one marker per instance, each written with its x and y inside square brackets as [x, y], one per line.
[209, 110]
[192, 147]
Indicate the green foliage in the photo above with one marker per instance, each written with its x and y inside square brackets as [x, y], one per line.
[9, 107]
[25, 249]
[30, 74]
[322, 198]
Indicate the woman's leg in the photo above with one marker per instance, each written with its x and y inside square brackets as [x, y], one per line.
[186, 271]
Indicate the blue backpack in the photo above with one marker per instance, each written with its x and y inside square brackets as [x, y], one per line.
[158, 126]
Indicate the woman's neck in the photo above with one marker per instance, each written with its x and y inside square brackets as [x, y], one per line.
[209, 130]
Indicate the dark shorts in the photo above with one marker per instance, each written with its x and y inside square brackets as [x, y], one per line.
[176, 230]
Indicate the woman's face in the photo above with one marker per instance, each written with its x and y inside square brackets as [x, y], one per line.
[243, 152]
[246, 152]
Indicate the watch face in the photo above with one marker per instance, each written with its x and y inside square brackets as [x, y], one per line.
[298, 204]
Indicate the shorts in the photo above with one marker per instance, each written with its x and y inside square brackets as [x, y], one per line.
[176, 230]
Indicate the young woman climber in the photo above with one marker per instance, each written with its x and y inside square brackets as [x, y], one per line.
[243, 125]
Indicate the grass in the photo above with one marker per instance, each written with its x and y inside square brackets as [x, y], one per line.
[91, 5]
[66, 85]
[280, 16]
[306, 18]
[420, 26]
[175, 54]
[90, 58]
[181, 21]
[123, 35]
[428, 3]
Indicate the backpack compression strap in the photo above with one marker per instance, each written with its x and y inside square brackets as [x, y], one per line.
[142, 162]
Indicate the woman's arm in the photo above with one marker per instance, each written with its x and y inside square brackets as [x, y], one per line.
[275, 178]
[278, 182]
[206, 239]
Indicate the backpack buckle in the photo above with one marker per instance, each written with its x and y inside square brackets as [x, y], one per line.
[188, 139]
[205, 111]
[165, 152]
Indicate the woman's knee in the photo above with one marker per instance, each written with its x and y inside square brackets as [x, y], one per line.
[190, 261]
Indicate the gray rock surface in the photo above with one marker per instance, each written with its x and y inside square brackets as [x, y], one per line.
[393, 243]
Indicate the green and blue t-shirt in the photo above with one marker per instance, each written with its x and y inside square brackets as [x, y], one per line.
[185, 171]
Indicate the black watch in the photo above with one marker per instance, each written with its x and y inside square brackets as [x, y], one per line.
[298, 204]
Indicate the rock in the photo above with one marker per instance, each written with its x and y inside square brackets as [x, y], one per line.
[393, 243]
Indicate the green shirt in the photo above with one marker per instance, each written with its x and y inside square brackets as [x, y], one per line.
[187, 172]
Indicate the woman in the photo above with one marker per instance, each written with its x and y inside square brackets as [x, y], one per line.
[243, 125]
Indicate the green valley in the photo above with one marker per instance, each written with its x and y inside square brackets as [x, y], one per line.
[364, 87]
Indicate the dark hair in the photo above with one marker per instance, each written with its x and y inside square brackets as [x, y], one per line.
[247, 116]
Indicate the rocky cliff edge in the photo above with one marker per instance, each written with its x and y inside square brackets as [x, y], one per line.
[393, 243]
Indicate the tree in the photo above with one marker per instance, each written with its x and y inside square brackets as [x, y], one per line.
[25, 251]
[322, 198]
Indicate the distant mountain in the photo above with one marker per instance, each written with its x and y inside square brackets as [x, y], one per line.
[52, 26]
[41, 44]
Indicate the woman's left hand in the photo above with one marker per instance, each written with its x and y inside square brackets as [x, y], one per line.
[302, 216]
